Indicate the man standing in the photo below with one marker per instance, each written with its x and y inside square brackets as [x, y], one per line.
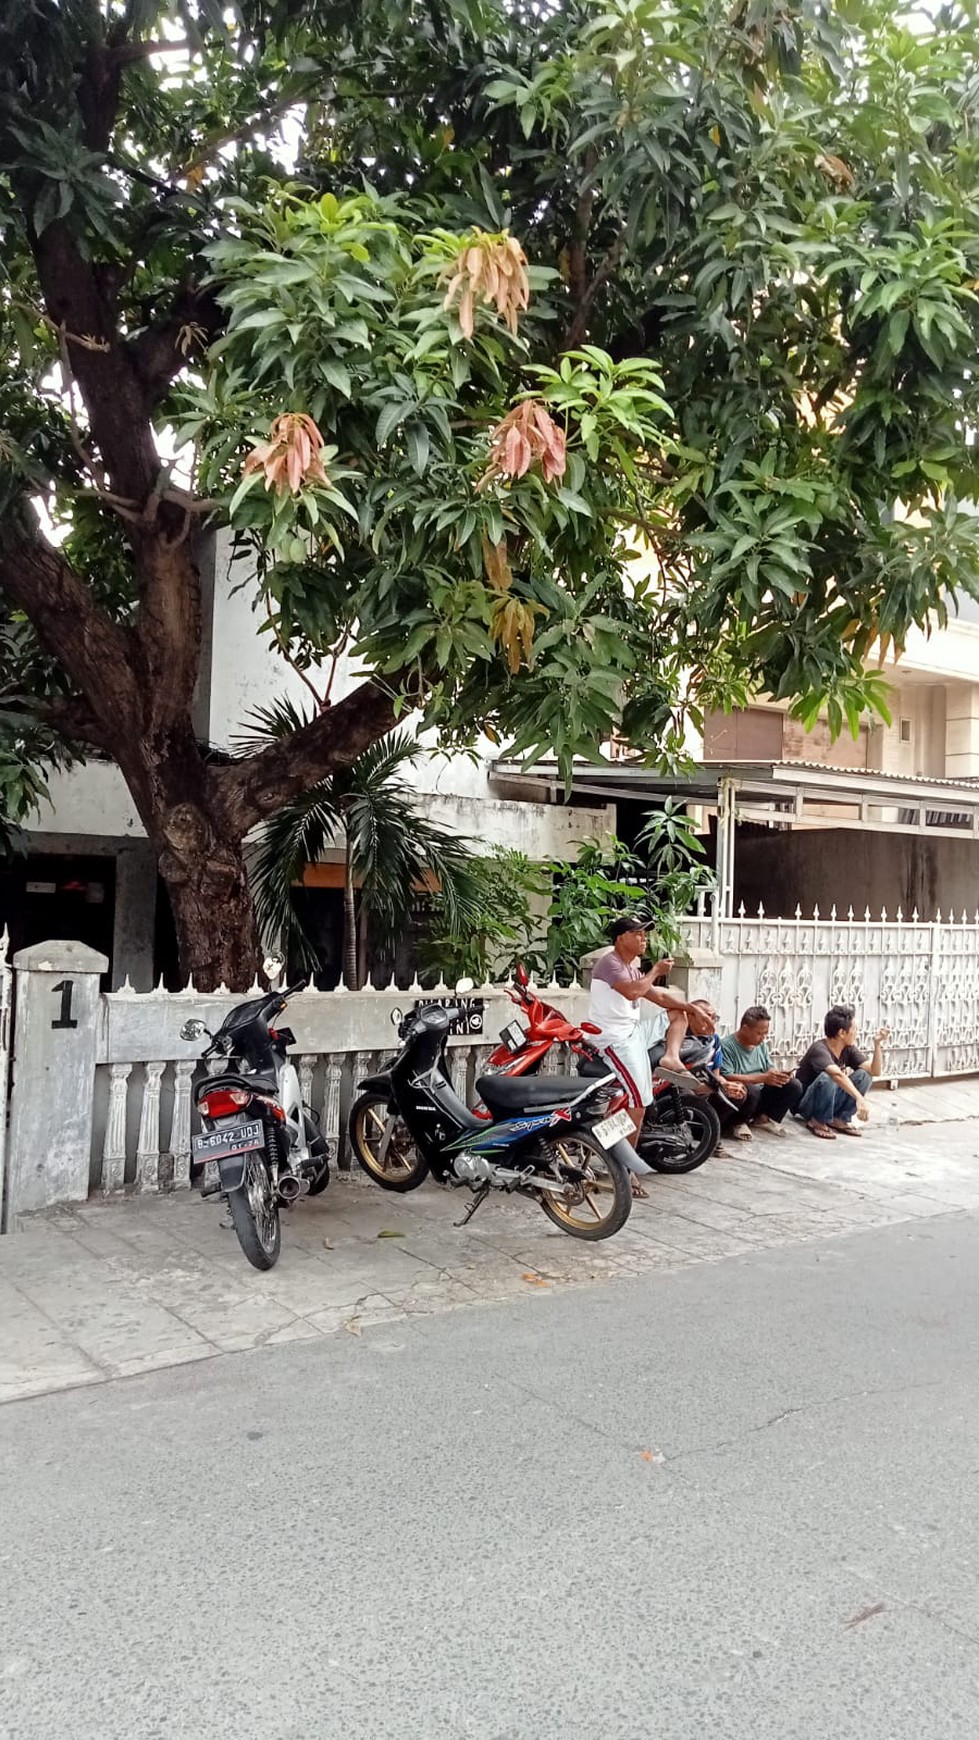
[618, 990]
[834, 1080]
[769, 1092]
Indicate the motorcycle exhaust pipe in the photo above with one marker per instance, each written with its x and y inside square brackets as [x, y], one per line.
[290, 1189]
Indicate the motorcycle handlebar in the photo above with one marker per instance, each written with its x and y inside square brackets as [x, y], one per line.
[293, 990]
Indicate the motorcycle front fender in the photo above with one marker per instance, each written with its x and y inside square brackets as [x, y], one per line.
[375, 1084]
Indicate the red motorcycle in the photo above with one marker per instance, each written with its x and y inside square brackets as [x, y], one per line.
[679, 1131]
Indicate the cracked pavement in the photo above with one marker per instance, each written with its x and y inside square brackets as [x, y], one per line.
[115, 1289]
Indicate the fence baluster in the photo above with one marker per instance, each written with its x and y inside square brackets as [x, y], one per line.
[148, 1140]
[180, 1125]
[114, 1147]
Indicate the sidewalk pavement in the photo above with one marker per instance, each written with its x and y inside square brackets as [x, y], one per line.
[108, 1290]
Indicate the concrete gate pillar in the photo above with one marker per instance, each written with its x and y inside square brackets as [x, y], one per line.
[55, 1051]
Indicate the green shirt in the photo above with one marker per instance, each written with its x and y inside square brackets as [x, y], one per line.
[738, 1061]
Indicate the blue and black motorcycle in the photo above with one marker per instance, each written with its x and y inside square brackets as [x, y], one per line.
[547, 1137]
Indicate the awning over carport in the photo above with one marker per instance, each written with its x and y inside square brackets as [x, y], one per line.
[779, 794]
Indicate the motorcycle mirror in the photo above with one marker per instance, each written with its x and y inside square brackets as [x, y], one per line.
[193, 1030]
[589, 1027]
[464, 986]
[272, 967]
[521, 977]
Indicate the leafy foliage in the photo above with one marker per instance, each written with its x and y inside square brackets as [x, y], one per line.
[391, 850]
[502, 897]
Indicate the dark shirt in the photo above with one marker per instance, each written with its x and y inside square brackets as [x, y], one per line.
[819, 1058]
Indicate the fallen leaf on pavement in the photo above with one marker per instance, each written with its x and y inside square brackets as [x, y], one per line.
[535, 1280]
[655, 1456]
[865, 1613]
[352, 1325]
[390, 1235]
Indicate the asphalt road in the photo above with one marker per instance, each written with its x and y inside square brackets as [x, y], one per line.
[738, 1500]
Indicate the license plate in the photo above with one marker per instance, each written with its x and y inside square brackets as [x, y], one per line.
[232, 1139]
[613, 1129]
[513, 1036]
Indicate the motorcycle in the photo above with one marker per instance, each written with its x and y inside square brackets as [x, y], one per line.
[258, 1146]
[549, 1139]
[679, 1131]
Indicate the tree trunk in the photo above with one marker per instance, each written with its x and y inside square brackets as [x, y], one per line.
[200, 857]
[214, 920]
[349, 924]
[362, 944]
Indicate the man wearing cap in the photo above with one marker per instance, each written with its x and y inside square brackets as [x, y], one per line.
[618, 990]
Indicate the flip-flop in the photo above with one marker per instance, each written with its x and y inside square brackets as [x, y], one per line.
[682, 1078]
[823, 1131]
[846, 1129]
[638, 1193]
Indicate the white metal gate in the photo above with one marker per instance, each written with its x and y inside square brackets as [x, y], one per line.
[6, 1034]
[919, 979]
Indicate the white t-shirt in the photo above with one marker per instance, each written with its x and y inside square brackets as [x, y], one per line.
[617, 1016]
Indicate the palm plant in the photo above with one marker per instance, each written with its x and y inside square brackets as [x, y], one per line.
[389, 848]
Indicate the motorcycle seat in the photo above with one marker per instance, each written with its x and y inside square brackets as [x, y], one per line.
[506, 1094]
[259, 1084]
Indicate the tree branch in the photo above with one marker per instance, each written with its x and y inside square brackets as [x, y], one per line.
[578, 330]
[260, 784]
[159, 352]
[95, 652]
[113, 395]
[127, 52]
[73, 718]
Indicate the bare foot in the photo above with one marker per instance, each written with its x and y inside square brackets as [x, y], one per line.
[846, 1129]
[741, 1133]
[823, 1131]
[637, 1189]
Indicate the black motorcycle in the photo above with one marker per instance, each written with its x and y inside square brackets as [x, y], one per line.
[547, 1137]
[259, 1146]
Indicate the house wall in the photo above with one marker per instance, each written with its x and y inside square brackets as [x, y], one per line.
[842, 868]
[922, 707]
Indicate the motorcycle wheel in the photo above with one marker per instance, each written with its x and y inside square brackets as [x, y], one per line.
[255, 1214]
[383, 1147]
[597, 1206]
[701, 1126]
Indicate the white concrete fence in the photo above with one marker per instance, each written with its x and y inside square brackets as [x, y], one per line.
[101, 1082]
[101, 1099]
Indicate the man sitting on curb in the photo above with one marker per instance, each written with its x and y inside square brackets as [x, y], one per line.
[834, 1080]
[770, 1092]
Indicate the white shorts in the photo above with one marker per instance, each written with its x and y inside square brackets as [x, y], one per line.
[630, 1060]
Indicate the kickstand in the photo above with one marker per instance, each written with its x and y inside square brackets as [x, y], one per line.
[478, 1196]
